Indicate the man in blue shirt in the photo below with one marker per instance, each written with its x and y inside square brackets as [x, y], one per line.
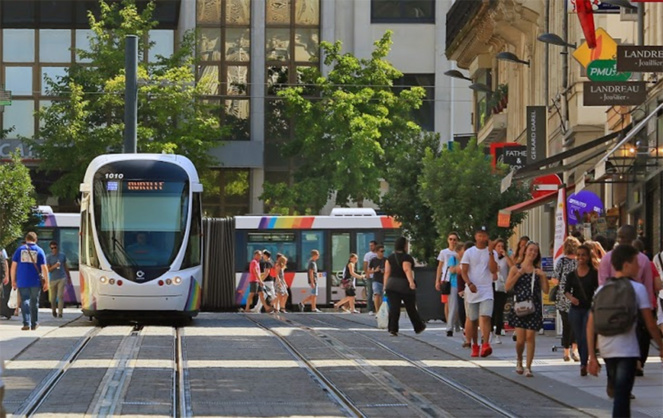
[29, 275]
[58, 272]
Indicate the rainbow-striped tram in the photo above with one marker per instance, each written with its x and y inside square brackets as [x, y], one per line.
[140, 240]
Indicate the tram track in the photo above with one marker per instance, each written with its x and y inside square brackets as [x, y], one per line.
[437, 376]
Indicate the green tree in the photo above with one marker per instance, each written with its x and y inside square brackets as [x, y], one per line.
[16, 199]
[404, 199]
[345, 125]
[463, 191]
[87, 118]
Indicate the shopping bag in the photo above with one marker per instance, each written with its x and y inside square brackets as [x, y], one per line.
[383, 315]
[12, 303]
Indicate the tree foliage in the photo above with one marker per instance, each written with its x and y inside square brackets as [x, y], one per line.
[345, 125]
[88, 121]
[463, 192]
[16, 199]
[404, 199]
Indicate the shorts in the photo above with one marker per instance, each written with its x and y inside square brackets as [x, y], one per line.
[350, 291]
[445, 298]
[314, 290]
[254, 287]
[483, 308]
[378, 289]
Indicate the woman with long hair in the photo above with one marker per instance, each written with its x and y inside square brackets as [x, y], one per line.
[504, 263]
[579, 289]
[597, 252]
[527, 281]
[350, 277]
[400, 287]
[565, 266]
[281, 285]
[519, 254]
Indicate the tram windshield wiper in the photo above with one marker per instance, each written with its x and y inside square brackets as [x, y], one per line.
[123, 251]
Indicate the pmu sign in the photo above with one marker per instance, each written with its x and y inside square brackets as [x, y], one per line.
[640, 58]
[605, 70]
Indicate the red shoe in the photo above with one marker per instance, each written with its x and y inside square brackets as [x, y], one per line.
[475, 350]
[486, 350]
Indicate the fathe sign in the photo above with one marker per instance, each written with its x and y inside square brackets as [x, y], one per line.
[640, 58]
[614, 94]
[605, 70]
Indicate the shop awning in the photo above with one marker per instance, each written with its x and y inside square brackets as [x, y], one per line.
[504, 215]
[541, 168]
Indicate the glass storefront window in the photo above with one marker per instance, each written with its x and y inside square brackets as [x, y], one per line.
[54, 45]
[18, 80]
[238, 45]
[54, 73]
[209, 44]
[278, 12]
[312, 240]
[306, 44]
[164, 44]
[18, 45]
[277, 45]
[83, 42]
[20, 115]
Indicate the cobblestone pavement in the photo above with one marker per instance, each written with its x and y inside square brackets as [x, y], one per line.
[290, 365]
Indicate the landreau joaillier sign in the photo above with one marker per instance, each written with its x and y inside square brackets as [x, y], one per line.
[626, 93]
[648, 58]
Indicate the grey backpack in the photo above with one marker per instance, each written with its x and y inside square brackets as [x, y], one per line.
[615, 307]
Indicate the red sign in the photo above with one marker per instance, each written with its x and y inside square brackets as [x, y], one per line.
[545, 185]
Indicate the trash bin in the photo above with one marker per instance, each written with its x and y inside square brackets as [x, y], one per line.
[429, 300]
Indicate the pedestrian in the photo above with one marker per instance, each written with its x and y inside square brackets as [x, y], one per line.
[3, 412]
[281, 285]
[626, 234]
[527, 281]
[579, 289]
[504, 264]
[519, 254]
[312, 275]
[30, 277]
[442, 265]
[368, 281]
[349, 281]
[565, 266]
[478, 266]
[658, 263]
[400, 287]
[268, 276]
[58, 274]
[5, 290]
[453, 300]
[255, 282]
[376, 268]
[621, 351]
[597, 249]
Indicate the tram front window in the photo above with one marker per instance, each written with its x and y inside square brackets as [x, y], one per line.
[141, 223]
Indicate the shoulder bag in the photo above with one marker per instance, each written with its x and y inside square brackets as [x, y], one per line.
[526, 307]
[34, 263]
[445, 286]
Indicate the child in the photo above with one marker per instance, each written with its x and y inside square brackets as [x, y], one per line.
[621, 351]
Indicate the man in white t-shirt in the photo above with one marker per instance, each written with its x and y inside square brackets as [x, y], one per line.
[442, 265]
[621, 352]
[478, 268]
[371, 254]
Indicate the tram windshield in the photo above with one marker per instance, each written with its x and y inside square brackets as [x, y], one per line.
[140, 222]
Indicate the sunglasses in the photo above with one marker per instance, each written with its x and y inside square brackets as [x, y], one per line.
[54, 248]
[381, 251]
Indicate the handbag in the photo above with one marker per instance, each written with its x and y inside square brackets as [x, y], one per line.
[445, 286]
[383, 314]
[552, 294]
[526, 307]
[12, 302]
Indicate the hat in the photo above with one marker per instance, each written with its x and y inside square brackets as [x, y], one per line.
[481, 228]
[266, 252]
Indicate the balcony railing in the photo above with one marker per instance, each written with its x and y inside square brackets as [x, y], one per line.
[459, 15]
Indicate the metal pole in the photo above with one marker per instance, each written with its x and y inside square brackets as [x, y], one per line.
[130, 93]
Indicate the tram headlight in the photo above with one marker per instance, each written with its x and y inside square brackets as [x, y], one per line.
[177, 280]
[169, 282]
[111, 281]
[103, 279]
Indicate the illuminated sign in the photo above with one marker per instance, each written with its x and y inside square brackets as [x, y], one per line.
[144, 185]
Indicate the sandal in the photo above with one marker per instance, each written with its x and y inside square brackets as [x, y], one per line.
[519, 368]
[528, 373]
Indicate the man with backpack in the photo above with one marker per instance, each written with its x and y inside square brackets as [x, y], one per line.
[614, 317]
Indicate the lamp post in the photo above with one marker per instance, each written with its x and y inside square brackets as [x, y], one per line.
[456, 74]
[554, 39]
[511, 57]
[480, 87]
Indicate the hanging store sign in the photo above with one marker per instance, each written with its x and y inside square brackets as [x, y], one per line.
[536, 133]
[629, 93]
[605, 49]
[605, 70]
[640, 58]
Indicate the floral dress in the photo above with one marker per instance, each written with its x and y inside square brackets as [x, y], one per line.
[522, 290]
[281, 285]
[565, 266]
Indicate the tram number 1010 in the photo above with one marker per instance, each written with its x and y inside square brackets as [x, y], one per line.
[114, 176]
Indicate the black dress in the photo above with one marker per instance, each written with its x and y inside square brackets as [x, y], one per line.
[523, 291]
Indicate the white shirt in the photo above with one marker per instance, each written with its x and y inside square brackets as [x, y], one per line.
[368, 257]
[502, 273]
[626, 344]
[444, 257]
[479, 274]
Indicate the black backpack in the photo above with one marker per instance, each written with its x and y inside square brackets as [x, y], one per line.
[615, 307]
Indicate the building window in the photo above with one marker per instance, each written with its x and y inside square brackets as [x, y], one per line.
[402, 11]
[228, 194]
[481, 111]
[224, 49]
[425, 115]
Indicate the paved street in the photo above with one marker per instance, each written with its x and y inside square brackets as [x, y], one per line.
[230, 364]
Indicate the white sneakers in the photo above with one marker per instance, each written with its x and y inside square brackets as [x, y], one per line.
[371, 313]
[497, 340]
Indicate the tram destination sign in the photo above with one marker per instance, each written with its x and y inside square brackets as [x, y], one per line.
[629, 93]
[648, 58]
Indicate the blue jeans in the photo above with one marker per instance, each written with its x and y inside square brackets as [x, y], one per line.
[578, 319]
[621, 375]
[369, 295]
[29, 305]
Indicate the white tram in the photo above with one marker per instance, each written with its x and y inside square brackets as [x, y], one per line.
[140, 240]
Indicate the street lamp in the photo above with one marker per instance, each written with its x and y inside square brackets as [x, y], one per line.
[456, 74]
[480, 87]
[511, 57]
[554, 39]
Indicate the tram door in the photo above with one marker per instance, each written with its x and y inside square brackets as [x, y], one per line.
[340, 252]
